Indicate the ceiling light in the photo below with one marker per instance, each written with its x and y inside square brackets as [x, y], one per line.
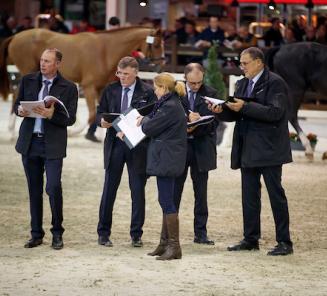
[143, 3]
[271, 5]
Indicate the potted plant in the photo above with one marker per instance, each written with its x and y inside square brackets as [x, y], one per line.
[296, 142]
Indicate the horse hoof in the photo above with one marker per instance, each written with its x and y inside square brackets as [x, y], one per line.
[324, 156]
[309, 156]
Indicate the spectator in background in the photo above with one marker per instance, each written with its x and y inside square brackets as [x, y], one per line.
[321, 34]
[82, 26]
[191, 33]
[114, 22]
[310, 34]
[299, 25]
[274, 37]
[212, 33]
[9, 27]
[56, 23]
[289, 35]
[230, 33]
[244, 38]
[26, 24]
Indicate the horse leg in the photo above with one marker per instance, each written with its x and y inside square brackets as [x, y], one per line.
[12, 116]
[296, 97]
[78, 127]
[92, 96]
[304, 140]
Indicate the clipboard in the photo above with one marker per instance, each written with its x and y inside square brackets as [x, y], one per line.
[126, 123]
[110, 117]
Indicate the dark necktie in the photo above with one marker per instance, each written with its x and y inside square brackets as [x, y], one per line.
[249, 88]
[124, 104]
[46, 88]
[191, 100]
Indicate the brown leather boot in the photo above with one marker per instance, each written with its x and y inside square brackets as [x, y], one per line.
[161, 248]
[173, 250]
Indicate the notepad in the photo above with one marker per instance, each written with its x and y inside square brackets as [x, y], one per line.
[206, 119]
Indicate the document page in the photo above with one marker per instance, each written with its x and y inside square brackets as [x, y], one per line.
[127, 125]
[30, 105]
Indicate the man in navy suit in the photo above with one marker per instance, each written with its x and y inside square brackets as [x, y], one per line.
[261, 146]
[201, 149]
[43, 141]
[129, 91]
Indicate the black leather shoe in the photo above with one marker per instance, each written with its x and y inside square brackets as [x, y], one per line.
[57, 242]
[137, 242]
[92, 138]
[104, 241]
[33, 242]
[243, 245]
[204, 241]
[282, 249]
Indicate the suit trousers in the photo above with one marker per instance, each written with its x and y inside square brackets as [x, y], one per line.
[200, 186]
[166, 194]
[251, 202]
[35, 163]
[120, 155]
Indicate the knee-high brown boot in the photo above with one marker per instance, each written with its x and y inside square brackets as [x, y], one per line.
[173, 250]
[161, 248]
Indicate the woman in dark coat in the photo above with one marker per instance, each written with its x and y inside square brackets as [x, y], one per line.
[166, 126]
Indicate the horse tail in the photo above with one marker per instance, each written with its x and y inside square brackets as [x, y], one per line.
[4, 79]
[269, 57]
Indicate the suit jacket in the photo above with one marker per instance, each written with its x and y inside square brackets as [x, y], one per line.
[55, 129]
[204, 135]
[110, 102]
[168, 146]
[261, 136]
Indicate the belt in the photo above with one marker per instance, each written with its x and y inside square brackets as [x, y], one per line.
[38, 135]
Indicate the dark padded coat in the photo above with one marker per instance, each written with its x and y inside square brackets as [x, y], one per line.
[168, 145]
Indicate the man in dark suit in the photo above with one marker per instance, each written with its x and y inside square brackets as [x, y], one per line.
[201, 149]
[43, 141]
[116, 98]
[261, 146]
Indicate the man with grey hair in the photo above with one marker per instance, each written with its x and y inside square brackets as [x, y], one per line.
[261, 146]
[201, 149]
[117, 97]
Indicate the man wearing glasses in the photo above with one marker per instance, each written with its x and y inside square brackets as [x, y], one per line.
[201, 149]
[261, 146]
[117, 98]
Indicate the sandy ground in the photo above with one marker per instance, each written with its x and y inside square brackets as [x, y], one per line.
[84, 268]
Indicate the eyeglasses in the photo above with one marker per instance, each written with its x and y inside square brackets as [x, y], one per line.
[195, 83]
[122, 74]
[244, 64]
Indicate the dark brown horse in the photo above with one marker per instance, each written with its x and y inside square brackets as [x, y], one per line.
[89, 59]
[304, 67]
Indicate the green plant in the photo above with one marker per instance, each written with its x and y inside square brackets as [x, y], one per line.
[294, 137]
[213, 76]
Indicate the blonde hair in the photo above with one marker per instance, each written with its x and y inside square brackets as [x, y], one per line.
[167, 81]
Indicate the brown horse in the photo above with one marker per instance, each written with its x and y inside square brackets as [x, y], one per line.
[89, 59]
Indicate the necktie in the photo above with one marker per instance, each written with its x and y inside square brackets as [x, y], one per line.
[249, 88]
[191, 99]
[46, 88]
[39, 124]
[124, 104]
